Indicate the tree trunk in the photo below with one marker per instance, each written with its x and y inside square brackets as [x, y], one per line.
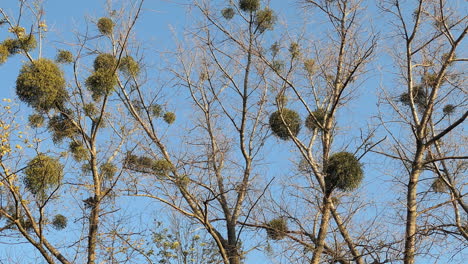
[320, 244]
[93, 231]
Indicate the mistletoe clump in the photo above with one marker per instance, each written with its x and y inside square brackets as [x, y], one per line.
[169, 117]
[4, 53]
[64, 56]
[161, 167]
[277, 228]
[419, 97]
[344, 172]
[449, 109]
[78, 151]
[249, 5]
[41, 85]
[284, 123]
[228, 13]
[36, 120]
[59, 222]
[103, 80]
[265, 19]
[23, 43]
[61, 127]
[129, 67]
[105, 26]
[439, 185]
[42, 173]
[316, 119]
[108, 170]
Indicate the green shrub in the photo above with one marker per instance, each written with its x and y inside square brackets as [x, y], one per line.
[101, 83]
[42, 173]
[343, 172]
[309, 66]
[156, 110]
[59, 222]
[439, 186]
[41, 85]
[249, 5]
[105, 61]
[105, 26]
[90, 110]
[161, 167]
[291, 120]
[294, 50]
[316, 119]
[64, 56]
[449, 109]
[277, 228]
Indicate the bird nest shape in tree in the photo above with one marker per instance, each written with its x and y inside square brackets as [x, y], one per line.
[284, 123]
[277, 228]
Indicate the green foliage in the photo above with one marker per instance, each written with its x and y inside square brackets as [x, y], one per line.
[64, 56]
[316, 119]
[249, 5]
[78, 151]
[343, 172]
[419, 97]
[281, 100]
[129, 67]
[169, 117]
[4, 53]
[59, 222]
[138, 163]
[449, 109]
[105, 61]
[105, 26]
[292, 121]
[42, 173]
[228, 13]
[41, 85]
[108, 170]
[61, 127]
[265, 19]
[277, 228]
[36, 120]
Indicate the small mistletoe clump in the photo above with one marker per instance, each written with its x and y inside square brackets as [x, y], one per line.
[129, 67]
[61, 127]
[439, 186]
[105, 26]
[169, 117]
[101, 83]
[419, 97]
[59, 222]
[294, 50]
[23, 43]
[316, 119]
[449, 109]
[105, 61]
[108, 170]
[161, 167]
[277, 228]
[156, 110]
[228, 13]
[78, 151]
[309, 66]
[64, 56]
[343, 172]
[136, 163]
[41, 85]
[42, 172]
[249, 5]
[265, 19]
[285, 121]
[4, 53]
[36, 120]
